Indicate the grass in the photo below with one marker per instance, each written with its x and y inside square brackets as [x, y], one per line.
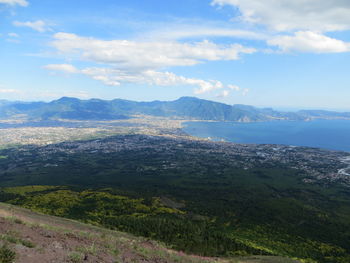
[12, 238]
[91, 249]
[15, 220]
[76, 257]
[9, 238]
[152, 253]
[7, 255]
[27, 243]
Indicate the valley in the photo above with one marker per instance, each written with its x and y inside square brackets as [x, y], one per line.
[146, 176]
[201, 197]
[180, 131]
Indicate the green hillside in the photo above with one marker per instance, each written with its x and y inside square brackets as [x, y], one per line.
[29, 237]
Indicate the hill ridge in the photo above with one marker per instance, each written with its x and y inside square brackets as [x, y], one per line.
[183, 108]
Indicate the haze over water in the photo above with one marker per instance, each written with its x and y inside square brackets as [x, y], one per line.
[327, 134]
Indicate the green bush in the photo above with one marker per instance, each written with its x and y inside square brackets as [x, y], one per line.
[76, 257]
[7, 255]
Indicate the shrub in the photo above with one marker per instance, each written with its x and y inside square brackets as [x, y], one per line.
[7, 255]
[76, 257]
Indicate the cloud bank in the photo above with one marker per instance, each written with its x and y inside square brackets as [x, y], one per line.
[190, 31]
[14, 2]
[305, 21]
[116, 77]
[308, 41]
[8, 90]
[38, 25]
[142, 62]
[131, 54]
[286, 15]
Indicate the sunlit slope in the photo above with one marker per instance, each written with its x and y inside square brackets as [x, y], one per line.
[33, 237]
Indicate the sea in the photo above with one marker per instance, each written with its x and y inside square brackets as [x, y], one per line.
[326, 134]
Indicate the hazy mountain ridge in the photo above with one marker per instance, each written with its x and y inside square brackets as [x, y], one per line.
[184, 107]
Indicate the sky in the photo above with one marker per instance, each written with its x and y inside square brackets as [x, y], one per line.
[267, 53]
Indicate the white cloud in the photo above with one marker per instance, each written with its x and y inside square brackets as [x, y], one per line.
[12, 38]
[223, 94]
[14, 2]
[142, 62]
[67, 68]
[8, 91]
[286, 15]
[13, 35]
[306, 19]
[231, 88]
[234, 87]
[115, 77]
[307, 41]
[200, 32]
[245, 92]
[146, 55]
[205, 86]
[38, 25]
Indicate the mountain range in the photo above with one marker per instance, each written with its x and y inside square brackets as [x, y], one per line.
[182, 108]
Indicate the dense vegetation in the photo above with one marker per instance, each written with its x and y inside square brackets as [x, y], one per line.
[149, 218]
[7, 255]
[196, 200]
[185, 231]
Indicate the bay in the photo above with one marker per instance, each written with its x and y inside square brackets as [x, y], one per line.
[326, 134]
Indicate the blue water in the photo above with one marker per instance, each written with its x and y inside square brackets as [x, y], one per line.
[327, 134]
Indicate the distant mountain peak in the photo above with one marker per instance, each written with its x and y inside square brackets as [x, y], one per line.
[184, 98]
[67, 99]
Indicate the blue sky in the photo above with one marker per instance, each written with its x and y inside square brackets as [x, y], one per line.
[284, 54]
